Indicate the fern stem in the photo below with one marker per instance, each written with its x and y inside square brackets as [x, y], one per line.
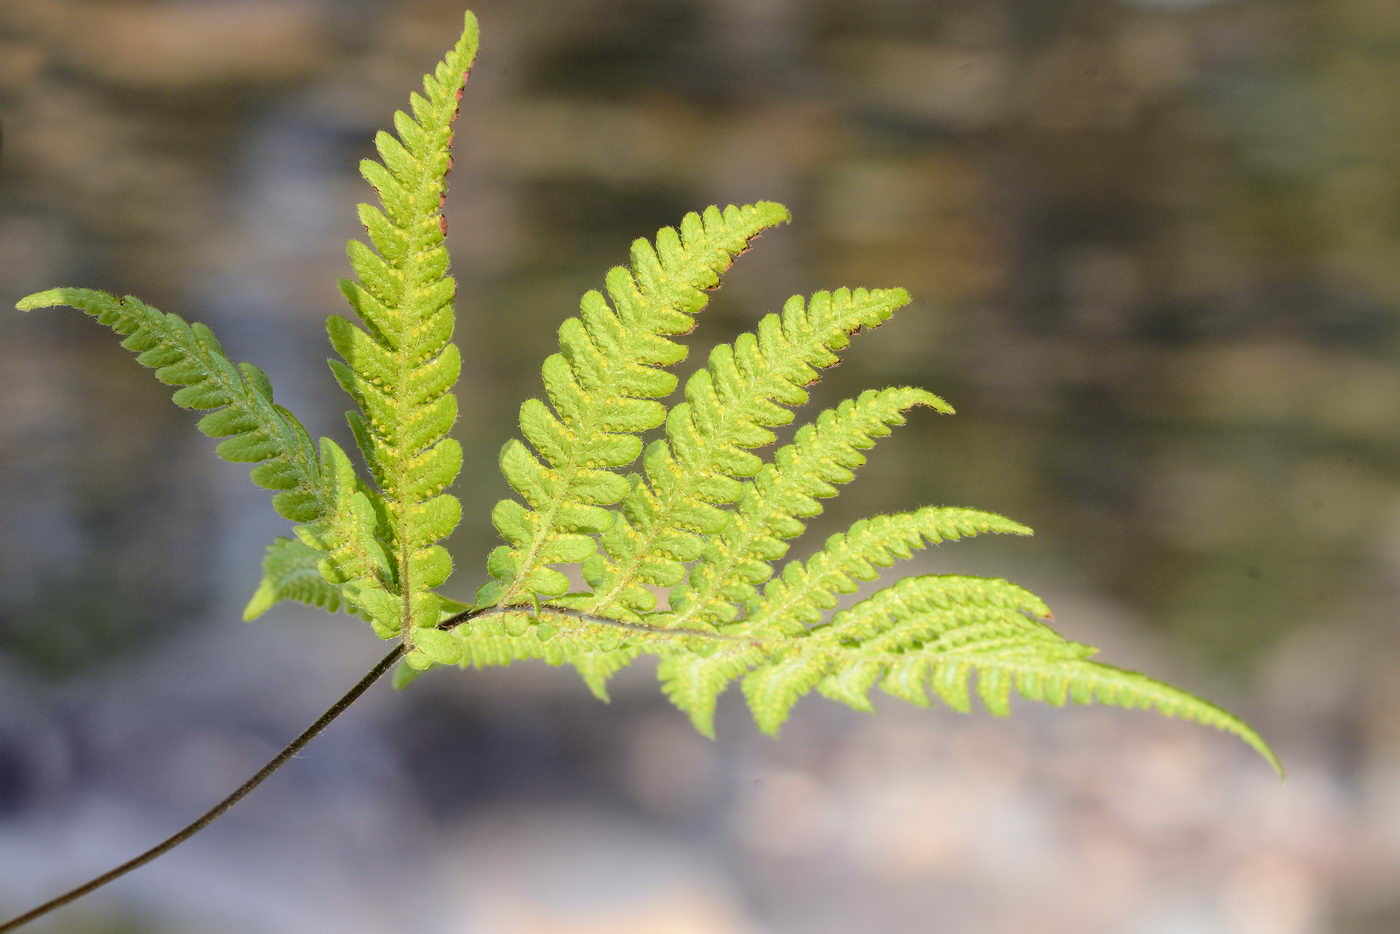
[218, 810]
[586, 617]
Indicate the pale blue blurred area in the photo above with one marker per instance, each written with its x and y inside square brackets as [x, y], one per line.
[1153, 252]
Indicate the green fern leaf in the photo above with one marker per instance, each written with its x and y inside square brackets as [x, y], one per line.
[937, 631]
[1087, 682]
[339, 516]
[731, 405]
[400, 366]
[238, 399]
[601, 389]
[777, 668]
[783, 494]
[803, 592]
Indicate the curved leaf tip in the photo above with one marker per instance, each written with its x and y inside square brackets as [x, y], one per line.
[48, 298]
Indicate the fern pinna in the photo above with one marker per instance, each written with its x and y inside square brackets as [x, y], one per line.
[664, 508]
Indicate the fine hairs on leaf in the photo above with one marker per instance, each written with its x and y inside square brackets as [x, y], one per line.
[670, 506]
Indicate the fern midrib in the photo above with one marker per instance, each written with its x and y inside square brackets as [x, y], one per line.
[812, 584]
[400, 512]
[409, 274]
[678, 495]
[236, 387]
[704, 599]
[546, 523]
[779, 609]
[641, 628]
[308, 469]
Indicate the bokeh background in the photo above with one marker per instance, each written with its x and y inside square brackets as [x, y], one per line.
[1153, 245]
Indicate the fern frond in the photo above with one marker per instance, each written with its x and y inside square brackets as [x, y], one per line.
[601, 389]
[401, 365]
[1035, 665]
[730, 406]
[924, 632]
[339, 516]
[1088, 682]
[804, 590]
[798, 661]
[938, 631]
[784, 494]
[238, 398]
[934, 631]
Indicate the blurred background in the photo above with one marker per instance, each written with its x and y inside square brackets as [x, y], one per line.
[1153, 248]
